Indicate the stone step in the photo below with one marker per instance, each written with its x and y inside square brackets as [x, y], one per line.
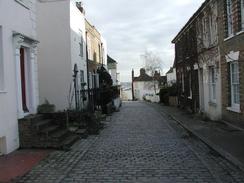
[69, 141]
[83, 133]
[60, 134]
[50, 129]
[40, 125]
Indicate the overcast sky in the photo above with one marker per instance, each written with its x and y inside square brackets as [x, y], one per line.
[133, 26]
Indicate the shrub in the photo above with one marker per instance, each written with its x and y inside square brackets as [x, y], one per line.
[166, 92]
[46, 108]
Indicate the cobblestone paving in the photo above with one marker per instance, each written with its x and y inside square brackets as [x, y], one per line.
[140, 144]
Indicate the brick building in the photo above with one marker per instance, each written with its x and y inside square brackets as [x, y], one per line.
[96, 53]
[210, 48]
[231, 38]
[185, 63]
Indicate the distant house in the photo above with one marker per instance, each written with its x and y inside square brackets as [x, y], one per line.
[18, 68]
[145, 85]
[112, 69]
[62, 53]
[171, 76]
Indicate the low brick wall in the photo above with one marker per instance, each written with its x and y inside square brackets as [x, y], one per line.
[27, 134]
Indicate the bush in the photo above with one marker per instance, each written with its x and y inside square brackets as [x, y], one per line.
[166, 92]
[46, 108]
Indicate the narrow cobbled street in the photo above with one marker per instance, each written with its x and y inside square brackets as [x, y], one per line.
[139, 144]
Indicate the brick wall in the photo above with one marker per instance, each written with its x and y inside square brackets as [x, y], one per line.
[235, 44]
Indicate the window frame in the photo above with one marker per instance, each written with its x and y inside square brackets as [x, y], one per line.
[212, 84]
[234, 105]
[183, 82]
[190, 86]
[242, 15]
[229, 11]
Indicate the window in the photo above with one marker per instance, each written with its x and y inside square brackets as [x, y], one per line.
[242, 14]
[235, 85]
[1, 63]
[82, 78]
[81, 47]
[230, 17]
[182, 82]
[90, 80]
[24, 3]
[212, 84]
[89, 49]
[190, 89]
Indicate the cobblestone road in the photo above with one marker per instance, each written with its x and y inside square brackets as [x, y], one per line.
[140, 144]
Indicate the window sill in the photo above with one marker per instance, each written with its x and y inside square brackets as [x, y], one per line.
[212, 103]
[2, 91]
[230, 37]
[233, 109]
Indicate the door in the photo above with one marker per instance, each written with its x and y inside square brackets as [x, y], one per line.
[23, 79]
[201, 86]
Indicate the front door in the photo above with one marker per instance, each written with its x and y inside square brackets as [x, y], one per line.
[23, 79]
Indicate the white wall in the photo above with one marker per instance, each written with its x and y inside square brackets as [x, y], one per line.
[171, 77]
[78, 33]
[113, 73]
[126, 94]
[209, 56]
[54, 52]
[142, 88]
[105, 51]
[61, 29]
[14, 17]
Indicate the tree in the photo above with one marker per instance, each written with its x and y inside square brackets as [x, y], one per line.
[152, 64]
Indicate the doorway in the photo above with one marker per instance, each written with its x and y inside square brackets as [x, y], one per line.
[23, 74]
[201, 87]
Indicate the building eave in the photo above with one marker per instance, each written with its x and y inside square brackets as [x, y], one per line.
[190, 21]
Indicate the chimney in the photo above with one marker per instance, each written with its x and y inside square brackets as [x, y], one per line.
[79, 5]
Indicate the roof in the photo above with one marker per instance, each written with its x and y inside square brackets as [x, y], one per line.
[143, 78]
[111, 60]
[170, 70]
[194, 16]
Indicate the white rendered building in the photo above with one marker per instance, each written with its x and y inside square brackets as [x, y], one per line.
[18, 68]
[61, 31]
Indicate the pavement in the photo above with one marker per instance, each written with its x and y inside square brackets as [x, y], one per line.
[226, 139]
[141, 143]
[20, 162]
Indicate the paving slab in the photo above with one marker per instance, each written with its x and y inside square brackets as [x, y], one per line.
[18, 163]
